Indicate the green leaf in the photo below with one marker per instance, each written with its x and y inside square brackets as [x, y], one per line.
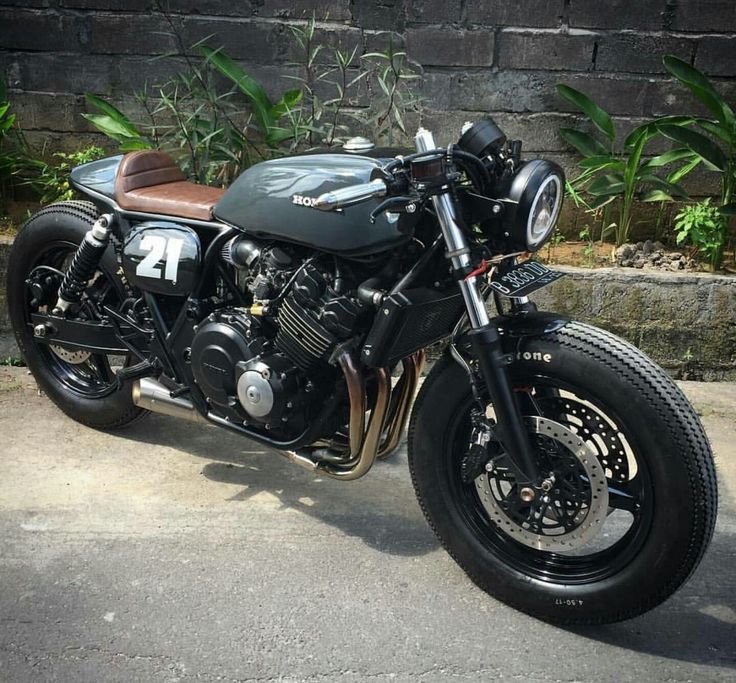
[248, 85]
[634, 137]
[705, 148]
[717, 129]
[288, 101]
[607, 185]
[596, 163]
[117, 119]
[728, 209]
[668, 158]
[600, 202]
[632, 164]
[586, 144]
[598, 116]
[700, 86]
[659, 183]
[680, 173]
[111, 127]
[655, 196]
[133, 145]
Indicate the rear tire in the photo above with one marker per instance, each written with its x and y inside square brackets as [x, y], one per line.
[62, 227]
[675, 471]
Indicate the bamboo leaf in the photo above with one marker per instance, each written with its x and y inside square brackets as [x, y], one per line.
[705, 148]
[584, 143]
[596, 114]
[288, 101]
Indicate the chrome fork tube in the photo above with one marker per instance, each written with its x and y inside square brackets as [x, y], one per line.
[484, 337]
[457, 247]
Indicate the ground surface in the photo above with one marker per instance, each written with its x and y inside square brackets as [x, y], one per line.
[177, 552]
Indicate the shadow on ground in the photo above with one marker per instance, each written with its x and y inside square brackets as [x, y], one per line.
[697, 625]
[380, 509]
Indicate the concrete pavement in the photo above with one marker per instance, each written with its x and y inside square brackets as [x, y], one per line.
[176, 552]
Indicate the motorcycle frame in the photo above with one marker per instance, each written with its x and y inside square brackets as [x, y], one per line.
[390, 411]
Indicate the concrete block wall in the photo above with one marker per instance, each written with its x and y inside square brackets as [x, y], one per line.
[492, 56]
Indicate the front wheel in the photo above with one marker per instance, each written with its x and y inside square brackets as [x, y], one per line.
[628, 503]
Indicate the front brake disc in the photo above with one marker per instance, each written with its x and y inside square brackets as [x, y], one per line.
[569, 515]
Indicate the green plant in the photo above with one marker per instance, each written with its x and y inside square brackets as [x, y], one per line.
[16, 159]
[588, 250]
[330, 78]
[391, 95]
[555, 241]
[710, 141]
[610, 173]
[51, 180]
[701, 225]
[116, 125]
[268, 115]
[328, 84]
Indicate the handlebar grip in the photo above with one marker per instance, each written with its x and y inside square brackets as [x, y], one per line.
[347, 196]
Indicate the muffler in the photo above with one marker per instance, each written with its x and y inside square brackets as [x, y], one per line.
[152, 395]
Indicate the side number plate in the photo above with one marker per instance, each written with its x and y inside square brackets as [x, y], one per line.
[524, 279]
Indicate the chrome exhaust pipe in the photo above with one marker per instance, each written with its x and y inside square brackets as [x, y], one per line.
[372, 438]
[150, 394]
[401, 402]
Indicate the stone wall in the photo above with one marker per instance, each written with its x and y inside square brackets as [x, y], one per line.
[685, 322]
[495, 56]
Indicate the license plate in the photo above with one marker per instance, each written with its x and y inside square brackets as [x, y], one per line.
[524, 279]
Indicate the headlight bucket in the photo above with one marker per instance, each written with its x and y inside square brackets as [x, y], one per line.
[533, 204]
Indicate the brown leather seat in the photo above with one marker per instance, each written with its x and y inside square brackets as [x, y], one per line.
[151, 182]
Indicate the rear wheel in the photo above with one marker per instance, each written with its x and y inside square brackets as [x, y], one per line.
[628, 503]
[80, 383]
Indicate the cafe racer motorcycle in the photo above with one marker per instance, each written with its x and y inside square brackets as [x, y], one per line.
[558, 465]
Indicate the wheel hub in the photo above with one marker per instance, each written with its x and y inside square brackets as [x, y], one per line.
[570, 504]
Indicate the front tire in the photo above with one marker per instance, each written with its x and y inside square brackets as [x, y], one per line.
[667, 480]
[85, 391]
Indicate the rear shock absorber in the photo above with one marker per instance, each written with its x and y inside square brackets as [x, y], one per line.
[84, 264]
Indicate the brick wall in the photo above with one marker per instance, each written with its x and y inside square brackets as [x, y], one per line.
[498, 56]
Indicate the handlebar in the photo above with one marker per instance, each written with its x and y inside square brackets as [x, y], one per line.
[347, 196]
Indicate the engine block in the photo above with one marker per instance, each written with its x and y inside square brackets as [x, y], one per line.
[302, 338]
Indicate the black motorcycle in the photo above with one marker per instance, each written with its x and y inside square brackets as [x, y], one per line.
[558, 465]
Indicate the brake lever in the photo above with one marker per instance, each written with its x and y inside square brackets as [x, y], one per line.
[399, 204]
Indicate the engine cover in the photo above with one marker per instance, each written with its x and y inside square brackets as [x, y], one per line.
[269, 388]
[224, 340]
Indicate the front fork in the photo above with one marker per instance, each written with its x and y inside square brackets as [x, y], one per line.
[485, 337]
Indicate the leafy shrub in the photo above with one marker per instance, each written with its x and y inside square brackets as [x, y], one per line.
[701, 225]
[610, 173]
[16, 160]
[214, 135]
[51, 180]
[710, 141]
[386, 77]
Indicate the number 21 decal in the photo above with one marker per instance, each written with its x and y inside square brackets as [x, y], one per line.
[160, 248]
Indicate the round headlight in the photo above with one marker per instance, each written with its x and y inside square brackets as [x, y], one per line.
[533, 204]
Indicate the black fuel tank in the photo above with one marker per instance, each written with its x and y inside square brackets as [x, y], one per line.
[272, 200]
